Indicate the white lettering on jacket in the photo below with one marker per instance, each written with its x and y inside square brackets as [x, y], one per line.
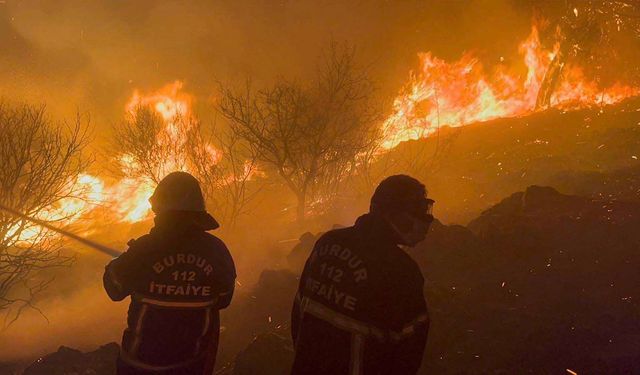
[172, 260]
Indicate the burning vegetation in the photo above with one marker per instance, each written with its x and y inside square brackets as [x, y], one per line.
[161, 133]
[462, 92]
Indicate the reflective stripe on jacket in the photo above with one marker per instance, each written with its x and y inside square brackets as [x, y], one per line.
[178, 278]
[360, 307]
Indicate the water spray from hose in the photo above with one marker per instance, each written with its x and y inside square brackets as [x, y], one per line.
[94, 245]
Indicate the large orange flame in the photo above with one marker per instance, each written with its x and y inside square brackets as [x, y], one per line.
[88, 191]
[127, 200]
[439, 93]
[174, 107]
[461, 92]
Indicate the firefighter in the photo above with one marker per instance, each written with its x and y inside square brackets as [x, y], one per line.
[360, 307]
[300, 252]
[179, 277]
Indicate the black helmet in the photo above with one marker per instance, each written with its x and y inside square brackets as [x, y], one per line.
[180, 192]
[402, 193]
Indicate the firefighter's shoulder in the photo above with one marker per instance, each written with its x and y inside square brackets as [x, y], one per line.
[334, 235]
[140, 245]
[139, 242]
[217, 247]
[211, 241]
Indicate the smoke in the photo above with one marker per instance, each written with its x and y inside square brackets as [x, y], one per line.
[77, 313]
[89, 56]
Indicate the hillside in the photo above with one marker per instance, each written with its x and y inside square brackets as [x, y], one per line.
[539, 283]
[592, 152]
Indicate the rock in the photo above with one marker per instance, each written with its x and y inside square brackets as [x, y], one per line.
[67, 361]
[265, 308]
[540, 282]
[268, 354]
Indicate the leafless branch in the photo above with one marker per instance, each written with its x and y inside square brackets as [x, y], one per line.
[40, 164]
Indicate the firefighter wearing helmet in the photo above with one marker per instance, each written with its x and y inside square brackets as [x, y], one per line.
[179, 277]
[360, 307]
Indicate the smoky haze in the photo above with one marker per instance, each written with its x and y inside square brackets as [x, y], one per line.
[89, 56]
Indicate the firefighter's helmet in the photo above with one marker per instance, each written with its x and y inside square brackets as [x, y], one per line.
[178, 191]
[402, 193]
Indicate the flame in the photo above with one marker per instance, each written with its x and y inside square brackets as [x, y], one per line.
[169, 101]
[461, 92]
[126, 200]
[214, 153]
[131, 197]
[439, 93]
[174, 107]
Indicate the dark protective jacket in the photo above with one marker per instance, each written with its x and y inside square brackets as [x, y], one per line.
[179, 277]
[360, 307]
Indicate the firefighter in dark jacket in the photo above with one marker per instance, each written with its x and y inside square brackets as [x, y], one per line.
[360, 307]
[179, 277]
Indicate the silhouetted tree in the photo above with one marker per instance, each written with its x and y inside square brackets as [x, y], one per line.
[308, 134]
[152, 147]
[40, 164]
[594, 31]
[225, 165]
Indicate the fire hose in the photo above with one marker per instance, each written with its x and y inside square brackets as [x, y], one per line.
[92, 244]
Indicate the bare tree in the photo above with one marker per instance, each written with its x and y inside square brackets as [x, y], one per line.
[225, 165]
[151, 146]
[594, 31]
[40, 163]
[308, 134]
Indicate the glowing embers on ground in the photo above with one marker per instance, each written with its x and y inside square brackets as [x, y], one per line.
[461, 92]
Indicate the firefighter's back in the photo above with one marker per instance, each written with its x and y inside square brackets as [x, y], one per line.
[357, 292]
[178, 285]
[179, 277]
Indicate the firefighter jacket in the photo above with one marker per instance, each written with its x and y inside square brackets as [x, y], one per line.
[360, 307]
[179, 277]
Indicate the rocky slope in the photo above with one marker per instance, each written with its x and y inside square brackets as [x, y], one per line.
[67, 361]
[539, 283]
[590, 152]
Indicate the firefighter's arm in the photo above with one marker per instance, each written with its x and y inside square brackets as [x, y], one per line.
[116, 278]
[296, 311]
[410, 349]
[295, 317]
[226, 278]
[412, 338]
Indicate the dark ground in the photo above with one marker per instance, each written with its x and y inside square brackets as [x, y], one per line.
[540, 283]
